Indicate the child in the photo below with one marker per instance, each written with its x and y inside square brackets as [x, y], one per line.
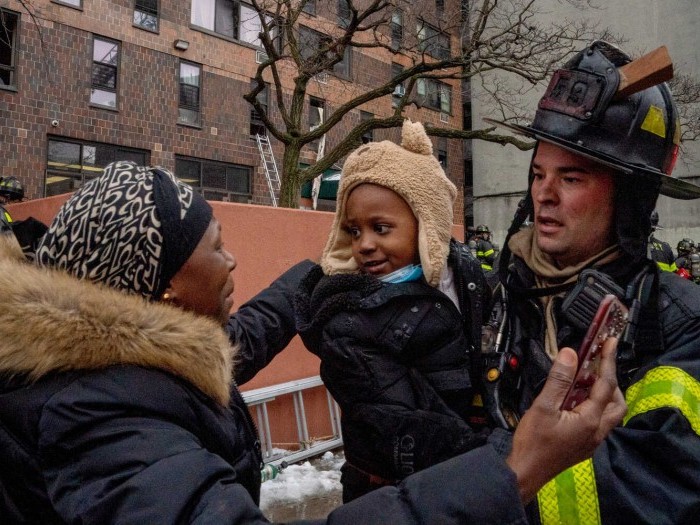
[393, 312]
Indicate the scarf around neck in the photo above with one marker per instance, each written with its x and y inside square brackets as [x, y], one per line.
[524, 245]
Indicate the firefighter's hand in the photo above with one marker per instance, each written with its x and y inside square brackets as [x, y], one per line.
[549, 440]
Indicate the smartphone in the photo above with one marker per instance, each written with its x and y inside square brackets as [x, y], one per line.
[609, 321]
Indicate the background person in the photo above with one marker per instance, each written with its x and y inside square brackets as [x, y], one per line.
[600, 162]
[11, 190]
[116, 398]
[485, 250]
[660, 251]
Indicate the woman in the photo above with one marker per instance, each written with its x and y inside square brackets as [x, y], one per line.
[116, 398]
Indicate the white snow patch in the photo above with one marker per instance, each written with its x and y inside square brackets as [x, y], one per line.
[300, 481]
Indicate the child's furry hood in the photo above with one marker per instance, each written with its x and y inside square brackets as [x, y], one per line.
[53, 322]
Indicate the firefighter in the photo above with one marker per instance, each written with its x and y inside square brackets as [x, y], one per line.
[684, 248]
[11, 190]
[660, 251]
[600, 162]
[485, 251]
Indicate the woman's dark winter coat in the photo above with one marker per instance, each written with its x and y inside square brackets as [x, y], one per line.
[115, 410]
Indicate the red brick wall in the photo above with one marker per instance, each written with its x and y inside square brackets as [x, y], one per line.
[54, 83]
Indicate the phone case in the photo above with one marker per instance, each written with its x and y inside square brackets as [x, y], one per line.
[609, 321]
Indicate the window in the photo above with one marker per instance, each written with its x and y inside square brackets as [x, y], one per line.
[439, 7]
[442, 152]
[435, 94]
[190, 88]
[146, 14]
[467, 114]
[256, 125]
[433, 42]
[216, 181]
[344, 13]
[400, 89]
[316, 118]
[309, 7]
[311, 41]
[105, 63]
[396, 30]
[72, 3]
[8, 47]
[367, 136]
[71, 163]
[229, 18]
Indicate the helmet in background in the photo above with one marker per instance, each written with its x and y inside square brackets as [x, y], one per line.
[685, 246]
[654, 217]
[11, 188]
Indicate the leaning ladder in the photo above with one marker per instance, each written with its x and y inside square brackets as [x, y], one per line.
[268, 162]
[259, 399]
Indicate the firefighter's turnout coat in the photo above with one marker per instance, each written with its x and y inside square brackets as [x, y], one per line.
[648, 469]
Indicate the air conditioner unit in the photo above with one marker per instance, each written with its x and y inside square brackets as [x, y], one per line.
[321, 78]
[444, 117]
[260, 56]
[399, 91]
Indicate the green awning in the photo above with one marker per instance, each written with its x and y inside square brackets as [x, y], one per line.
[329, 185]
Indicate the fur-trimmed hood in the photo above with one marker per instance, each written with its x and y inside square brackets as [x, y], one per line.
[53, 322]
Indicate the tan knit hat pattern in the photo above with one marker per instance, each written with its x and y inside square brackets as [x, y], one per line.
[415, 174]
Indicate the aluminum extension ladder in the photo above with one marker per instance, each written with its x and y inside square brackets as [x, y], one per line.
[259, 398]
[268, 162]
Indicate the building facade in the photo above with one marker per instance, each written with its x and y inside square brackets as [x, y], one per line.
[86, 82]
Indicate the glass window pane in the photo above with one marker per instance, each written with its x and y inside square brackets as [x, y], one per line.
[8, 42]
[250, 26]
[104, 76]
[238, 179]
[146, 20]
[189, 74]
[64, 154]
[105, 52]
[188, 171]
[188, 116]
[309, 7]
[103, 98]
[214, 176]
[226, 22]
[203, 13]
[60, 182]
[135, 156]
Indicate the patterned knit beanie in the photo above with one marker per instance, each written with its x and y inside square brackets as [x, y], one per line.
[132, 228]
[415, 174]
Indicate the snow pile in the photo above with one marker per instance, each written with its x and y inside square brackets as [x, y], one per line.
[310, 479]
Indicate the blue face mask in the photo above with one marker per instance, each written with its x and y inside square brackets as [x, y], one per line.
[409, 273]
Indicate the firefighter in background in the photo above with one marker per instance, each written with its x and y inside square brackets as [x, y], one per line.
[600, 162]
[660, 251]
[11, 190]
[485, 250]
[684, 248]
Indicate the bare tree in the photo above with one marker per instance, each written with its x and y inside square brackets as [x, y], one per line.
[492, 36]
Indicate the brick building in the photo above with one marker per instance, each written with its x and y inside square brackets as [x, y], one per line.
[85, 82]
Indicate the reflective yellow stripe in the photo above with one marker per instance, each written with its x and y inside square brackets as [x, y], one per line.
[665, 387]
[486, 267]
[667, 267]
[571, 498]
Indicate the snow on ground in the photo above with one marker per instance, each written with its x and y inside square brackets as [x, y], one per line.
[310, 479]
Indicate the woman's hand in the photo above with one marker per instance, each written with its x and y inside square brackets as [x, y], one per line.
[549, 440]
